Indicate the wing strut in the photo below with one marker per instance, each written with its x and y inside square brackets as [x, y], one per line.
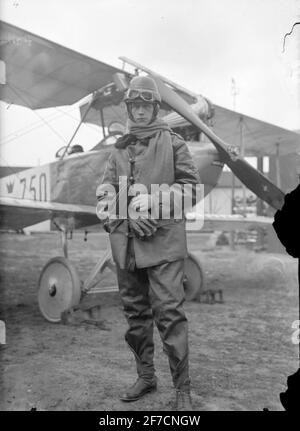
[119, 82]
[76, 130]
[102, 122]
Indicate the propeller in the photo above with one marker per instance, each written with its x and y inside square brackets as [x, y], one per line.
[253, 179]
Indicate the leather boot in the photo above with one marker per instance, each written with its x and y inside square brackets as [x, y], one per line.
[183, 401]
[140, 388]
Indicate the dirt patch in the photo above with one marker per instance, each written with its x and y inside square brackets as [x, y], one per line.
[240, 351]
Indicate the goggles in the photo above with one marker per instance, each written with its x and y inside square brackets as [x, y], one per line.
[145, 95]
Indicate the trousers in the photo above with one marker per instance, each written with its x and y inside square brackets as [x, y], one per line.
[156, 294]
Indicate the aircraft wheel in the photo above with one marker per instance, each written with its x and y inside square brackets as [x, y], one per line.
[59, 288]
[193, 281]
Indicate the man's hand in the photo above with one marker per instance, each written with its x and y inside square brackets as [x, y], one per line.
[141, 202]
[143, 228]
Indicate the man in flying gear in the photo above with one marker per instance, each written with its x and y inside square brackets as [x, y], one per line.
[149, 252]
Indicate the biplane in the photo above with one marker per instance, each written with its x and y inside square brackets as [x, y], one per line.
[42, 74]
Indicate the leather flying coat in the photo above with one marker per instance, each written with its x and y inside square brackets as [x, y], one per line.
[165, 160]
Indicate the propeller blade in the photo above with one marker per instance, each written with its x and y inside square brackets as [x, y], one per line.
[253, 179]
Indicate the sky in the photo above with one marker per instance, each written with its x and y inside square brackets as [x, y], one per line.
[200, 44]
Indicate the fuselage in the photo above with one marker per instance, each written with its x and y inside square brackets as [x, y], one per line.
[74, 179]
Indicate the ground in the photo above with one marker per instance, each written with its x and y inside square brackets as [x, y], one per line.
[241, 352]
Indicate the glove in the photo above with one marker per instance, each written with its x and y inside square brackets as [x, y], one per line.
[106, 225]
[143, 228]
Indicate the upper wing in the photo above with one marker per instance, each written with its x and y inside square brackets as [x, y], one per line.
[18, 213]
[43, 74]
[259, 138]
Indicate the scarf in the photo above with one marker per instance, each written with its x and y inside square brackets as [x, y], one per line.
[157, 165]
[137, 132]
[149, 130]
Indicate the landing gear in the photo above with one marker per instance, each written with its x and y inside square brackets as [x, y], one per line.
[193, 281]
[59, 288]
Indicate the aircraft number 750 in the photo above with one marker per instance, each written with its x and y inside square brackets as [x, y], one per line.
[36, 186]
